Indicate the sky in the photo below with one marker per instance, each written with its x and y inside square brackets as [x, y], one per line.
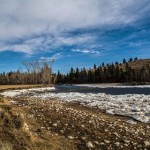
[74, 33]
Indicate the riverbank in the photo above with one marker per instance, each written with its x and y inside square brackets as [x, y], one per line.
[31, 122]
[52, 125]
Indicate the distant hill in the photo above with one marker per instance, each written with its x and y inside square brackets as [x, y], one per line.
[138, 64]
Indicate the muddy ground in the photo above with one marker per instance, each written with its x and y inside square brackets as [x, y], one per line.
[28, 124]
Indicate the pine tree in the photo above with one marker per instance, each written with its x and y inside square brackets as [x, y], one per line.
[124, 61]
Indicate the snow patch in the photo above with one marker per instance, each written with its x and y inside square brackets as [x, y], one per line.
[14, 93]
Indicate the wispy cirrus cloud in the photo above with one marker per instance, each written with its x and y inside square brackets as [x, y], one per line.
[55, 56]
[86, 51]
[47, 43]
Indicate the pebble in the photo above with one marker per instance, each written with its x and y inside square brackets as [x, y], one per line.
[107, 141]
[126, 141]
[147, 143]
[96, 142]
[82, 126]
[117, 143]
[102, 143]
[70, 137]
[106, 130]
[55, 124]
[83, 138]
[62, 131]
[90, 121]
[89, 144]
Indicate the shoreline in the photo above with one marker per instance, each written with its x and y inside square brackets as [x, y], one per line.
[52, 124]
[77, 126]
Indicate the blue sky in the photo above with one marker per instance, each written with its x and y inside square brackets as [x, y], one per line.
[73, 33]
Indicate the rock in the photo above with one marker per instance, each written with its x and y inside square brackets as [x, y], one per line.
[82, 126]
[62, 131]
[126, 141]
[107, 141]
[117, 143]
[55, 124]
[89, 144]
[83, 138]
[90, 121]
[48, 128]
[96, 142]
[102, 143]
[147, 143]
[70, 137]
[106, 130]
[140, 146]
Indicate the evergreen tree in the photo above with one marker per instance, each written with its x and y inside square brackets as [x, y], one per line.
[135, 59]
[131, 59]
[124, 61]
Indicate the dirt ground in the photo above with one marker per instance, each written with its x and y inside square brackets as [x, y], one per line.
[31, 124]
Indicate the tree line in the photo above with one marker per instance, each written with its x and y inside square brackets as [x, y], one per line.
[106, 73]
[40, 72]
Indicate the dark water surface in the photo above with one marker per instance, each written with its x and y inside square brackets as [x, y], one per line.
[108, 90]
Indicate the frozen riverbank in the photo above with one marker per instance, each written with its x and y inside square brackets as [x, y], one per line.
[136, 106]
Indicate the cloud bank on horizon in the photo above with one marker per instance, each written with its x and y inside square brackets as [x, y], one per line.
[32, 26]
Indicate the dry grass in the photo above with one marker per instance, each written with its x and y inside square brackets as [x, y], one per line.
[137, 65]
[14, 87]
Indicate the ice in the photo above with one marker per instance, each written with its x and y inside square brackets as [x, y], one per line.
[14, 93]
[111, 85]
[132, 121]
[136, 106]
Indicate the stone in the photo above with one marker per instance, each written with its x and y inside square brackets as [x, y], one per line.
[102, 143]
[96, 142]
[55, 124]
[147, 143]
[89, 144]
[107, 141]
[70, 137]
[83, 138]
[117, 143]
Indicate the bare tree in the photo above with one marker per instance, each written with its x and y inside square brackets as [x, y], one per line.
[46, 70]
[27, 66]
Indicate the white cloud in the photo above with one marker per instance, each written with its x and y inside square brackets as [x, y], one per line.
[73, 40]
[17, 48]
[49, 43]
[86, 51]
[139, 44]
[55, 56]
[28, 18]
